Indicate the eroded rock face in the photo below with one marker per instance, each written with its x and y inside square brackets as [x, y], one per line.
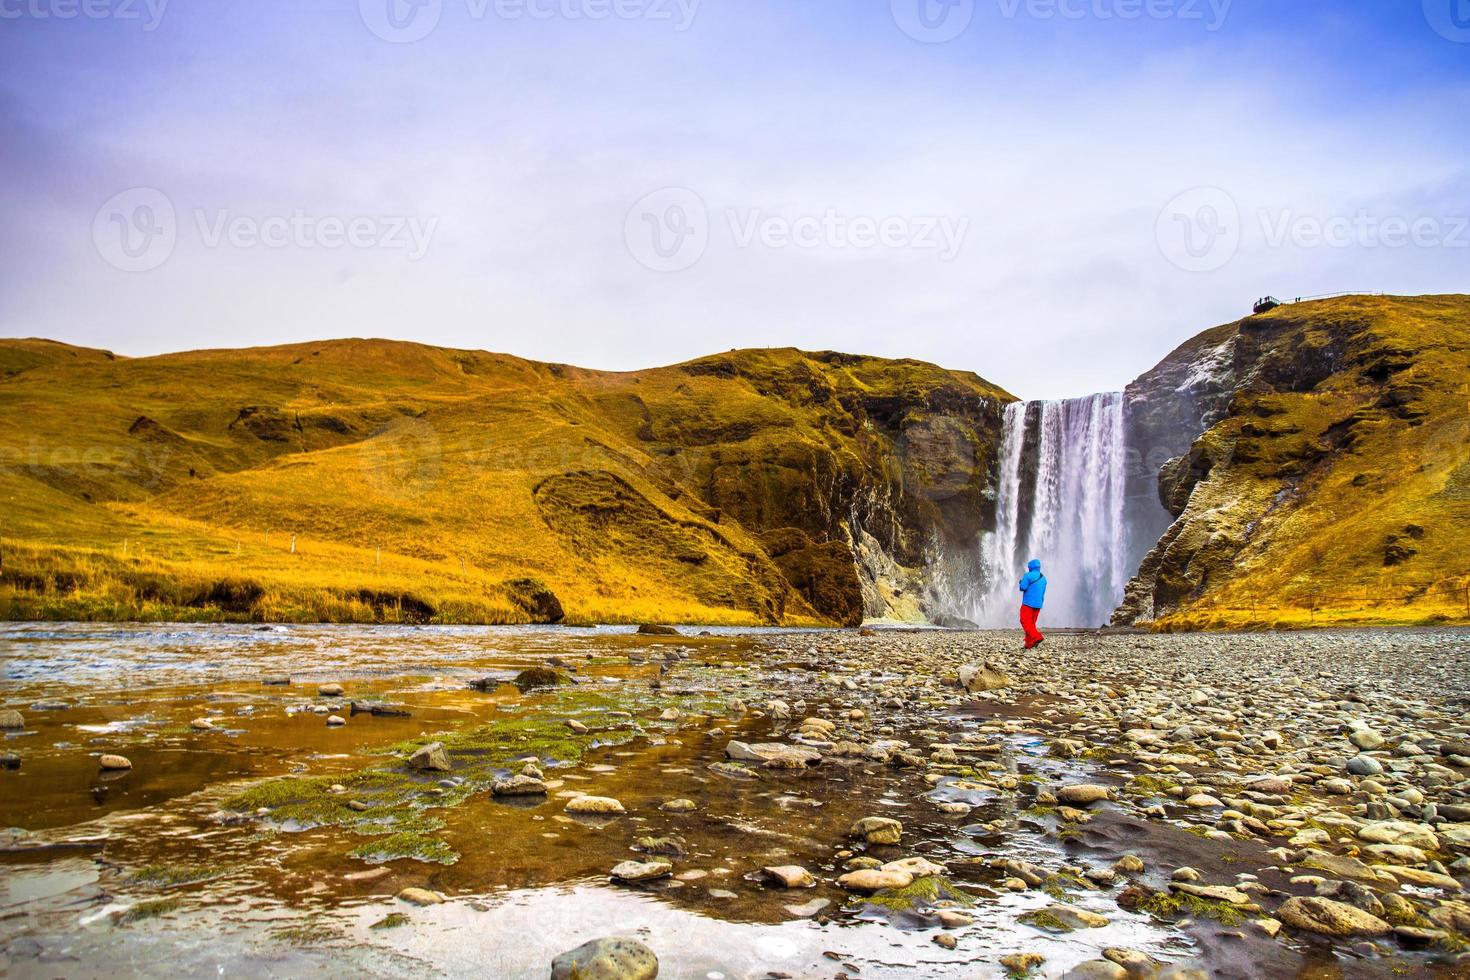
[1297, 415]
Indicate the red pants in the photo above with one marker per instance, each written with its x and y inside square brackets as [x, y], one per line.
[1028, 623]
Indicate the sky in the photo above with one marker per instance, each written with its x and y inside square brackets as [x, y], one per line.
[1050, 193]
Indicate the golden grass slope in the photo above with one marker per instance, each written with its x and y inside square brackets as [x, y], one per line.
[372, 480]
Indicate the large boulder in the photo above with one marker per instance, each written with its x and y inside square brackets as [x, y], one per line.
[595, 806]
[1329, 918]
[977, 679]
[773, 755]
[534, 677]
[615, 958]
[430, 758]
[1083, 794]
[877, 830]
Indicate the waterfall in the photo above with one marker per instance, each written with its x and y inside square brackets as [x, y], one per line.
[1060, 498]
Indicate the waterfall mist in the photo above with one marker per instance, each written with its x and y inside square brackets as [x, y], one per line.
[1061, 498]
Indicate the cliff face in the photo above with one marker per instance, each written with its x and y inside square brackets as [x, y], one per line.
[1314, 460]
[378, 480]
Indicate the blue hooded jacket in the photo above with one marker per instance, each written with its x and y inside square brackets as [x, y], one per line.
[1033, 585]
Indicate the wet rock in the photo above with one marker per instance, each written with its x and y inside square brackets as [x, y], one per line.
[977, 679]
[333, 721]
[1366, 739]
[331, 690]
[276, 680]
[1096, 970]
[1131, 960]
[1400, 832]
[576, 726]
[115, 763]
[615, 958]
[11, 720]
[667, 846]
[950, 919]
[378, 709]
[1021, 964]
[649, 629]
[1063, 918]
[202, 725]
[634, 872]
[945, 941]
[1083, 794]
[679, 806]
[1271, 785]
[1129, 864]
[534, 677]
[873, 880]
[1364, 765]
[518, 786]
[9, 760]
[773, 755]
[595, 805]
[421, 896]
[877, 830]
[789, 876]
[431, 758]
[916, 866]
[1330, 918]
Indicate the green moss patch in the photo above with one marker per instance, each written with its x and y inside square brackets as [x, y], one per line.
[919, 895]
[151, 909]
[1178, 905]
[390, 801]
[391, 921]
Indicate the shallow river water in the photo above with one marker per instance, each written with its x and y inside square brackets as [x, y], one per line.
[172, 867]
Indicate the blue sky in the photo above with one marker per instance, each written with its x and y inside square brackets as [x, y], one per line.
[1054, 197]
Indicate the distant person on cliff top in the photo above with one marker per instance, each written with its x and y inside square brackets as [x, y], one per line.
[1033, 597]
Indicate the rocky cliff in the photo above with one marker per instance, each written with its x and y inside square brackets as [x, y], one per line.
[1315, 462]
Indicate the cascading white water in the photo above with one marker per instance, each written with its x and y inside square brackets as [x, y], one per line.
[1068, 511]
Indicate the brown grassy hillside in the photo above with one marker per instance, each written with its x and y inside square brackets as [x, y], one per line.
[372, 480]
[1334, 483]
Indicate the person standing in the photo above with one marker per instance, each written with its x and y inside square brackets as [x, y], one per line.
[1033, 597]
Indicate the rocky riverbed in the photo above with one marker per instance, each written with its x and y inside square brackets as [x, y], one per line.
[774, 804]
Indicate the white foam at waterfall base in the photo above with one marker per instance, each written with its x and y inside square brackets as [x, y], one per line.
[1075, 503]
